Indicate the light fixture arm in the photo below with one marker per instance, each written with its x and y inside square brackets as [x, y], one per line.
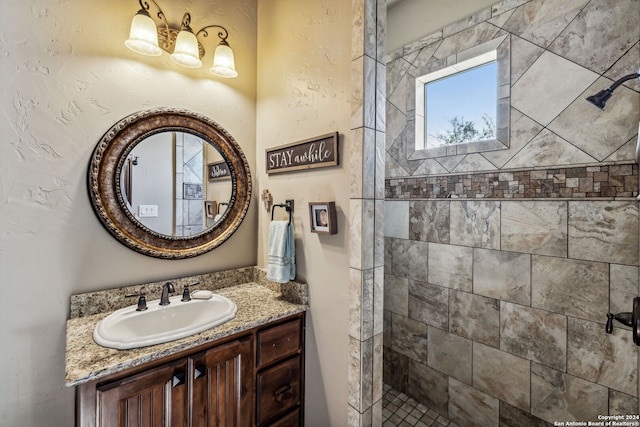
[223, 34]
[145, 7]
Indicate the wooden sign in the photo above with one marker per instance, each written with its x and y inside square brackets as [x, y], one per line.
[318, 152]
[218, 170]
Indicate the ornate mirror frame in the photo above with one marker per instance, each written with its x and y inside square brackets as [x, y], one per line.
[108, 202]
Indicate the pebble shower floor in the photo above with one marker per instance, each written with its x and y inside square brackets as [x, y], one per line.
[400, 410]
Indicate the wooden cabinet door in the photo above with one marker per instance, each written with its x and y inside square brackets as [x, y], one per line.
[153, 398]
[222, 385]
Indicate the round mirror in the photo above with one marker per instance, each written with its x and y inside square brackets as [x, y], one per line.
[169, 183]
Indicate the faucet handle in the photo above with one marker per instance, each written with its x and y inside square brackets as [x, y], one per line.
[185, 294]
[142, 301]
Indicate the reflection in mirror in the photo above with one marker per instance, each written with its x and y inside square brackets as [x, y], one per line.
[462, 102]
[164, 183]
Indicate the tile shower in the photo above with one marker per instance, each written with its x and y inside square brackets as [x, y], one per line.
[495, 298]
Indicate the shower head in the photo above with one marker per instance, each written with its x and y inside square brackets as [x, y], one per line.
[600, 98]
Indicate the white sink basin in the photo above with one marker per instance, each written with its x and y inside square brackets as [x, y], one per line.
[127, 328]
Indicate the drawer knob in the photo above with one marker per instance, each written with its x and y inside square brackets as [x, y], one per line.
[279, 393]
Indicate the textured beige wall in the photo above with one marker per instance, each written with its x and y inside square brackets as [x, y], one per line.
[304, 91]
[66, 78]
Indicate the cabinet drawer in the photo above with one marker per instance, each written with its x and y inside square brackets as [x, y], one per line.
[292, 419]
[278, 342]
[278, 389]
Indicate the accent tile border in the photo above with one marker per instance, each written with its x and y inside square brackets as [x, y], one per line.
[602, 181]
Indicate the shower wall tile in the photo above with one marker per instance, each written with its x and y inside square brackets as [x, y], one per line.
[361, 292]
[624, 287]
[598, 48]
[395, 369]
[396, 219]
[386, 334]
[428, 386]
[378, 300]
[396, 294]
[604, 231]
[622, 404]
[409, 259]
[475, 224]
[470, 407]
[376, 370]
[451, 266]
[475, 317]
[528, 247]
[510, 416]
[602, 358]
[540, 21]
[573, 287]
[559, 396]
[537, 335]
[534, 227]
[449, 354]
[502, 275]
[429, 304]
[429, 221]
[552, 94]
[409, 337]
[502, 375]
[360, 371]
[601, 132]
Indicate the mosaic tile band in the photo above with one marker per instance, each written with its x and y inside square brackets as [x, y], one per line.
[603, 181]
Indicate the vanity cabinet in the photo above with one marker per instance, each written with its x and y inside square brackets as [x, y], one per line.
[253, 378]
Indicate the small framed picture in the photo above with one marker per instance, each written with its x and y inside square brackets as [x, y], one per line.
[323, 217]
[210, 208]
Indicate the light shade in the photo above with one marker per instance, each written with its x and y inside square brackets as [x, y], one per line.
[223, 61]
[186, 51]
[143, 37]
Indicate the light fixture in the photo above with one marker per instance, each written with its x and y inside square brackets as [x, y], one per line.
[600, 98]
[183, 45]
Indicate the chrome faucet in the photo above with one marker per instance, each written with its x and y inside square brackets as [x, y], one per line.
[167, 289]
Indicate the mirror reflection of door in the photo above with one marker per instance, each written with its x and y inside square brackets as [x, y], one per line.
[166, 188]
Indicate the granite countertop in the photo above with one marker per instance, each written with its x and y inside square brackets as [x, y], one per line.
[87, 361]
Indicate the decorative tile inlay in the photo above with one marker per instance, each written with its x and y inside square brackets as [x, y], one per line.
[572, 182]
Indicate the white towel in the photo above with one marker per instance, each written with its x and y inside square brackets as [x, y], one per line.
[282, 252]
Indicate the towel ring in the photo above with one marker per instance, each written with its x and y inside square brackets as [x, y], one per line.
[220, 204]
[288, 205]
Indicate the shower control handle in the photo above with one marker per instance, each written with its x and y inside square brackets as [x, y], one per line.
[631, 319]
